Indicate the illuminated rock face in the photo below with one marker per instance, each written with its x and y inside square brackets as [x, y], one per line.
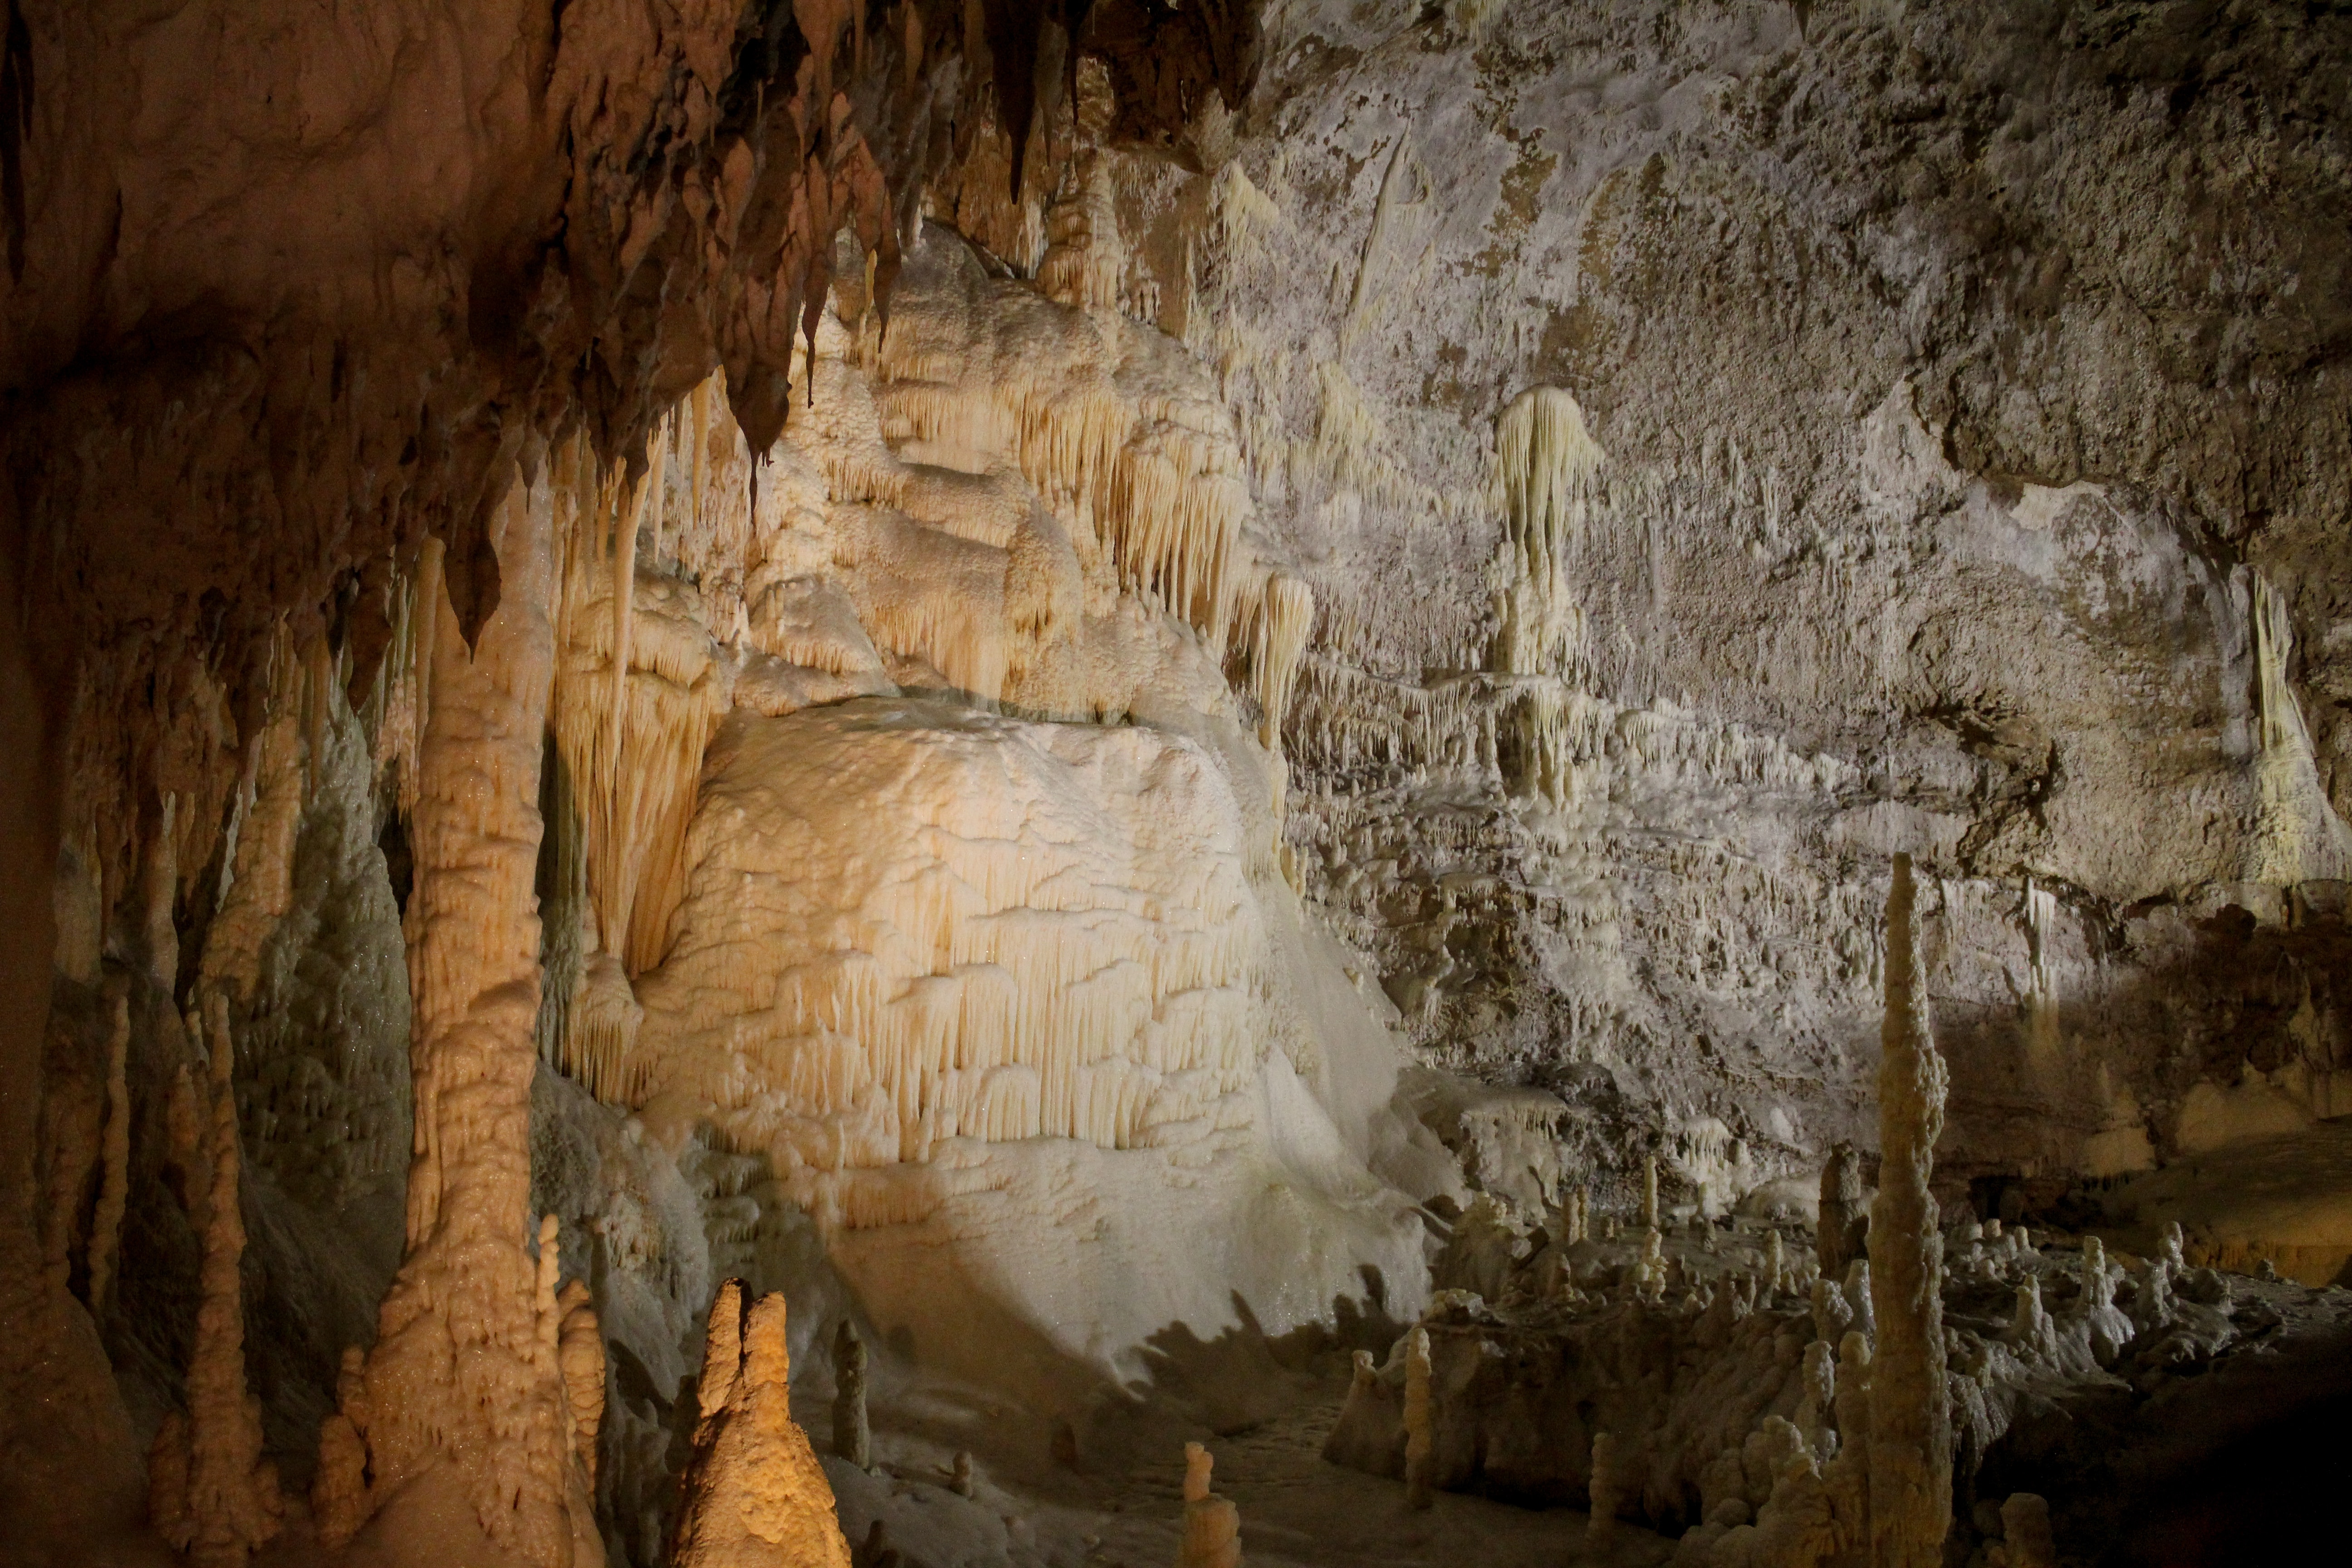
[1692, 523]
[1496, 541]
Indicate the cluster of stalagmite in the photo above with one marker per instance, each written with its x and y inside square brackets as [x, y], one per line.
[754, 1493]
[1685, 1373]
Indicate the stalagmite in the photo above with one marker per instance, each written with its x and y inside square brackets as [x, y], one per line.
[1831, 1313]
[1833, 1241]
[2110, 1327]
[1910, 1416]
[2152, 1305]
[338, 1501]
[852, 1435]
[1419, 1455]
[2030, 1329]
[114, 1161]
[2025, 1538]
[1817, 1417]
[1650, 1191]
[1213, 1525]
[1604, 1491]
[229, 1505]
[754, 1493]
[1858, 1297]
[582, 1356]
[1650, 1269]
[340, 1504]
[961, 1480]
[466, 1356]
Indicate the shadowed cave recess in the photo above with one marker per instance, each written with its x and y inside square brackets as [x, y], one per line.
[974, 784]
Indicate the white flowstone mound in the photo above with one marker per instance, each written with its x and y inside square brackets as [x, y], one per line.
[1002, 1005]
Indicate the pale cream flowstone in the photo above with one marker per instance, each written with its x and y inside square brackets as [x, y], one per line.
[467, 1361]
[1213, 1525]
[1910, 1403]
[755, 1496]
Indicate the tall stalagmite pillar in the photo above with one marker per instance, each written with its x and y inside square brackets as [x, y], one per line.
[1910, 1405]
[463, 1371]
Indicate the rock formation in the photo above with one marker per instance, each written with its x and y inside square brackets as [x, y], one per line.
[1910, 1408]
[211, 1492]
[1098, 683]
[1418, 1420]
[754, 1492]
[1841, 1220]
[463, 1361]
[1602, 1490]
[853, 1437]
[580, 1354]
[1213, 1525]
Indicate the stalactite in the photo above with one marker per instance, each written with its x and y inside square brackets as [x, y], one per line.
[637, 696]
[624, 610]
[2281, 716]
[160, 878]
[1285, 620]
[258, 870]
[1545, 470]
[1910, 1410]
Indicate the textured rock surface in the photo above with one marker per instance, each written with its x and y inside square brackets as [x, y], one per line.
[1494, 521]
[1946, 466]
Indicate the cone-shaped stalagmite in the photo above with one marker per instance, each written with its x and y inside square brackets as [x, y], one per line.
[1910, 1405]
[755, 1495]
[211, 1492]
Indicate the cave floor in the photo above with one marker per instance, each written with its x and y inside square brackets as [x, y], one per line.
[1295, 1509]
